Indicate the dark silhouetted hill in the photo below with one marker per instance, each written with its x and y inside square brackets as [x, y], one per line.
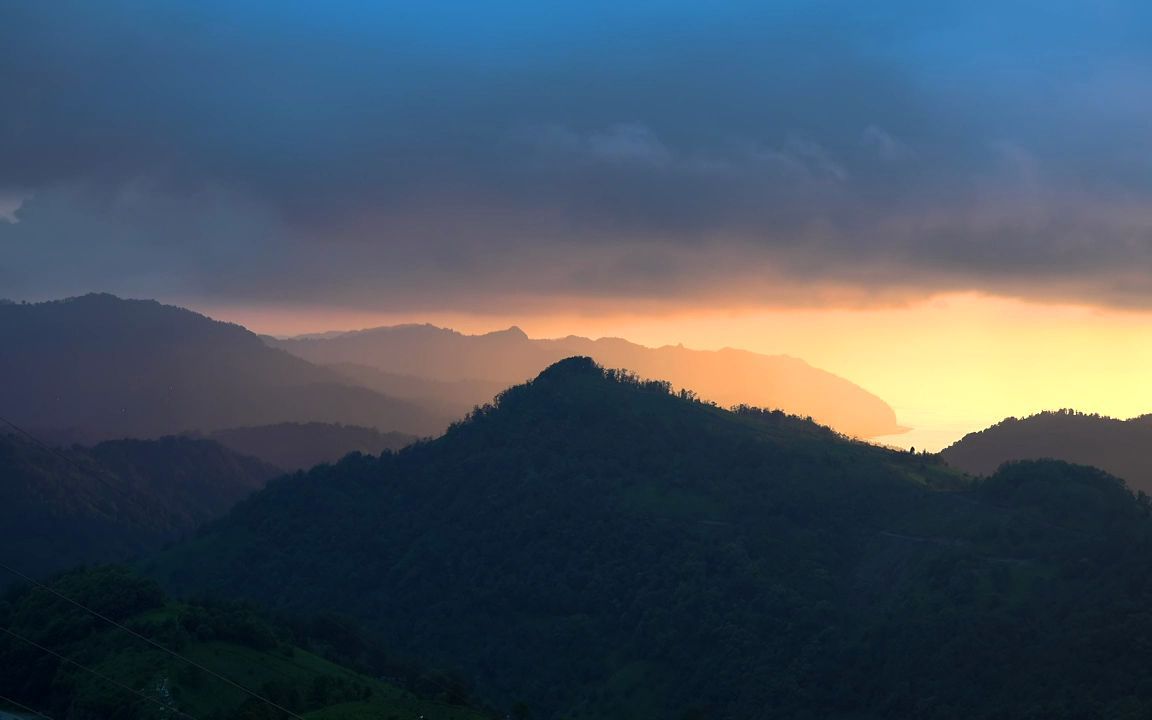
[1121, 447]
[61, 507]
[97, 367]
[603, 547]
[304, 668]
[299, 446]
[503, 358]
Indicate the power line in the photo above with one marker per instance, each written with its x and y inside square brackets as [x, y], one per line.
[109, 620]
[150, 641]
[91, 472]
[22, 706]
[96, 673]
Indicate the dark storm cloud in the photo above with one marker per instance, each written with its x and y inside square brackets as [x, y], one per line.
[444, 153]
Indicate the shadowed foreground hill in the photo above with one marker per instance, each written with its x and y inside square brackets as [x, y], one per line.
[603, 548]
[471, 364]
[1121, 447]
[113, 501]
[286, 666]
[299, 446]
[97, 368]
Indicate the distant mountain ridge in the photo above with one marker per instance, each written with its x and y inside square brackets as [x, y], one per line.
[1120, 447]
[299, 446]
[507, 357]
[98, 367]
[454, 398]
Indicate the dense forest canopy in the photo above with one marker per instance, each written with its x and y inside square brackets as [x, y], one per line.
[599, 546]
[63, 656]
[63, 506]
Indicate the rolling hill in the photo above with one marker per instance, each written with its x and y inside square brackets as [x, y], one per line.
[117, 500]
[98, 367]
[1120, 447]
[476, 363]
[120, 676]
[603, 547]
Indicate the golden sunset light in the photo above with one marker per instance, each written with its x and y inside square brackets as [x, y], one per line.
[661, 360]
[948, 366]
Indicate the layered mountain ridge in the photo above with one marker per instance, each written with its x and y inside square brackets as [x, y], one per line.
[1119, 446]
[507, 357]
[98, 367]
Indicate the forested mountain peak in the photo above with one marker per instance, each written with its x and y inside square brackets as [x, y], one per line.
[602, 546]
[585, 405]
[565, 513]
[509, 356]
[576, 366]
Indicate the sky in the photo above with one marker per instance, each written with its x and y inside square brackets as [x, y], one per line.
[948, 202]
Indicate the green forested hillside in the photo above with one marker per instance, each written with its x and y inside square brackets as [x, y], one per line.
[64, 662]
[600, 547]
[64, 506]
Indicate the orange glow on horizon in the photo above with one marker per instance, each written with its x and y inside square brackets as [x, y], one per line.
[947, 365]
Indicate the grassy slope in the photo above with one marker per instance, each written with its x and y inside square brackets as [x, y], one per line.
[272, 667]
[201, 695]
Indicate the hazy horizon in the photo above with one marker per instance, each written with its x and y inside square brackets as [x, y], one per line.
[939, 363]
[947, 206]
[1052, 371]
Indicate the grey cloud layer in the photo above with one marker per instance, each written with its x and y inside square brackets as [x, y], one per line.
[460, 153]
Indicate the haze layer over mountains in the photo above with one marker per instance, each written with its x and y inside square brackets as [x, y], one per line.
[98, 367]
[386, 357]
